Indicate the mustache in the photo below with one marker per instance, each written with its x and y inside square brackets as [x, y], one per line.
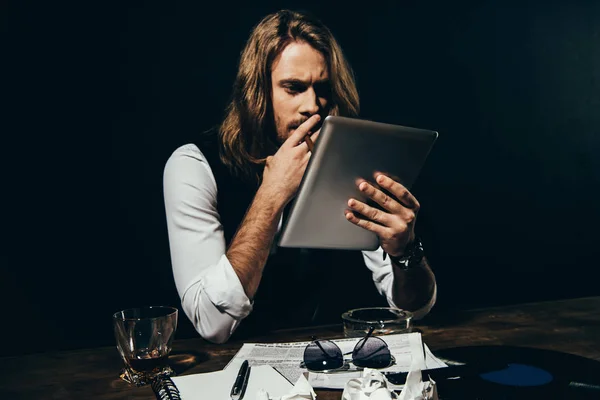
[296, 124]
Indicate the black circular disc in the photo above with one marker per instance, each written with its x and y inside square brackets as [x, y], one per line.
[506, 372]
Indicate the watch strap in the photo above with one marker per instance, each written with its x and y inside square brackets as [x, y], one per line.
[413, 254]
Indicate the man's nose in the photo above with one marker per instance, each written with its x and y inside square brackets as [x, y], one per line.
[310, 103]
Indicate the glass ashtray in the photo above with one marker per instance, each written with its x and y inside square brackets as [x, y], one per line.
[384, 320]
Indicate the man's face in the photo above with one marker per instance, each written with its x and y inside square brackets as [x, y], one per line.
[300, 87]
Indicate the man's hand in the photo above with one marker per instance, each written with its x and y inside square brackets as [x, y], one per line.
[283, 173]
[395, 224]
[284, 170]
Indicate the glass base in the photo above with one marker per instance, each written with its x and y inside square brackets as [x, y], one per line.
[143, 378]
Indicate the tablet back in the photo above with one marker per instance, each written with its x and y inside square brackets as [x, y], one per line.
[348, 149]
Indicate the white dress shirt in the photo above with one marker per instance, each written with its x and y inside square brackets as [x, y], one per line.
[211, 294]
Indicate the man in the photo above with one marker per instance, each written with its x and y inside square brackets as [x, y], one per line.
[225, 197]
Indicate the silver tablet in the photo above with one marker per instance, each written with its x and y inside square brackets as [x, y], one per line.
[348, 149]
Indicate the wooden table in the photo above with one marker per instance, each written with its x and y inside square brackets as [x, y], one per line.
[571, 326]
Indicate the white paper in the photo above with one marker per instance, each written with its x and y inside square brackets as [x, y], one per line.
[217, 385]
[286, 358]
[415, 388]
[374, 386]
[302, 390]
[371, 386]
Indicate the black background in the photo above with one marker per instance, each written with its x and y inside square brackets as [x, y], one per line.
[99, 95]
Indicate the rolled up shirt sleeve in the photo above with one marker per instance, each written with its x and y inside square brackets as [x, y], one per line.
[383, 277]
[211, 293]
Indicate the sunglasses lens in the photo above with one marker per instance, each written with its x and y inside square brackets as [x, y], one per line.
[324, 355]
[371, 352]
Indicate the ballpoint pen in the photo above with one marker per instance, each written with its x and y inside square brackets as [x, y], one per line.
[241, 382]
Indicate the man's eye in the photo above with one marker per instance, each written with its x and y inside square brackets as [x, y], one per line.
[294, 89]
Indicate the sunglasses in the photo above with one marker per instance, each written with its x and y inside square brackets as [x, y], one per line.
[326, 356]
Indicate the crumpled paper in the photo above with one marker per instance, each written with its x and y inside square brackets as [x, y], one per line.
[302, 390]
[374, 386]
[416, 389]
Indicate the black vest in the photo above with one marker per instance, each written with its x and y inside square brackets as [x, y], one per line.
[299, 287]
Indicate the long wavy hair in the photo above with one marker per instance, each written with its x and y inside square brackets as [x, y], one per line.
[247, 134]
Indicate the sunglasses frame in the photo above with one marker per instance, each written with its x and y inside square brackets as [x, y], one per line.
[346, 363]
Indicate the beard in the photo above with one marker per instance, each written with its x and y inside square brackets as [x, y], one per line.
[284, 130]
[292, 126]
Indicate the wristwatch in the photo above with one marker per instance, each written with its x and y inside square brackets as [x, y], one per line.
[413, 254]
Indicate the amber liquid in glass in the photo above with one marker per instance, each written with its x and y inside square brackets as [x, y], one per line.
[148, 362]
